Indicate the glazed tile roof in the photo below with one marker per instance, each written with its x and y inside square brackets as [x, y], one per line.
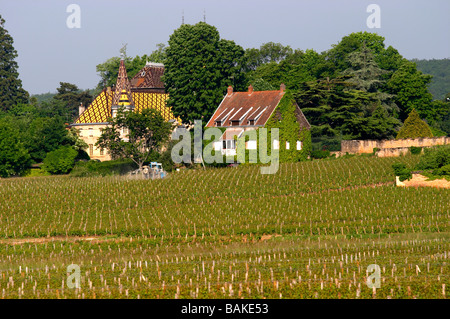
[149, 76]
[146, 91]
[100, 109]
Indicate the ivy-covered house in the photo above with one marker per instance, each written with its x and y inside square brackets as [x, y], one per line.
[243, 111]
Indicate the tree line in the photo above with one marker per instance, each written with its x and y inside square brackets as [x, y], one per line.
[358, 89]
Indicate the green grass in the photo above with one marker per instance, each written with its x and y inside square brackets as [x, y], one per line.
[204, 234]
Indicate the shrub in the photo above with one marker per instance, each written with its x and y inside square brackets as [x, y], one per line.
[444, 170]
[60, 161]
[435, 158]
[414, 127]
[320, 154]
[35, 172]
[415, 150]
[95, 168]
[401, 171]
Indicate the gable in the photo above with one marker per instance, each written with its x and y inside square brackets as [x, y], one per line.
[245, 109]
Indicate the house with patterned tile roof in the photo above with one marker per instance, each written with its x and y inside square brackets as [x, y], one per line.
[144, 90]
[243, 111]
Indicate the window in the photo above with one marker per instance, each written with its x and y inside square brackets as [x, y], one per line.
[299, 145]
[229, 144]
[276, 144]
[91, 149]
[287, 145]
[101, 152]
[91, 132]
[251, 145]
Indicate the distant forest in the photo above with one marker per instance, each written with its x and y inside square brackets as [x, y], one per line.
[440, 70]
[44, 97]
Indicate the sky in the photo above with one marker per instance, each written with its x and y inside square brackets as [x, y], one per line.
[50, 52]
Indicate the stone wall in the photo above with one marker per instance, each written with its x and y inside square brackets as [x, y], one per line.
[367, 146]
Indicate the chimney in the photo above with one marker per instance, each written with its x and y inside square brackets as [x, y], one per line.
[230, 90]
[282, 88]
[81, 108]
[250, 89]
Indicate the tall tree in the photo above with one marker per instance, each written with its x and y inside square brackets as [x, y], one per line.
[367, 76]
[199, 67]
[14, 158]
[147, 132]
[336, 109]
[11, 91]
[267, 52]
[351, 43]
[72, 97]
[411, 92]
[414, 127]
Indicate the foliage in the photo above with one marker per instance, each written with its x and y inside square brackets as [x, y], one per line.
[335, 109]
[14, 157]
[72, 97]
[147, 133]
[410, 89]
[284, 118]
[402, 171]
[43, 97]
[319, 154]
[109, 69]
[415, 150]
[60, 161]
[414, 127]
[159, 55]
[11, 91]
[295, 68]
[199, 68]
[434, 158]
[73, 136]
[106, 168]
[353, 42]
[267, 52]
[43, 135]
[440, 70]
[36, 172]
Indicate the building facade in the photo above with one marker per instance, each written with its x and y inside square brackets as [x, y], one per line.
[243, 111]
[144, 90]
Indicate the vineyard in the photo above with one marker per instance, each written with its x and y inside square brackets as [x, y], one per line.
[309, 231]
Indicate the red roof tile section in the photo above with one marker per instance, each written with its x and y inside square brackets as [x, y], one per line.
[149, 77]
[122, 84]
[245, 108]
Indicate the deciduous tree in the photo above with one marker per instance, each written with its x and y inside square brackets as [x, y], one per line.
[199, 68]
[145, 134]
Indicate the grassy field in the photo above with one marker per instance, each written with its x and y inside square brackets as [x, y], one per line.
[309, 231]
